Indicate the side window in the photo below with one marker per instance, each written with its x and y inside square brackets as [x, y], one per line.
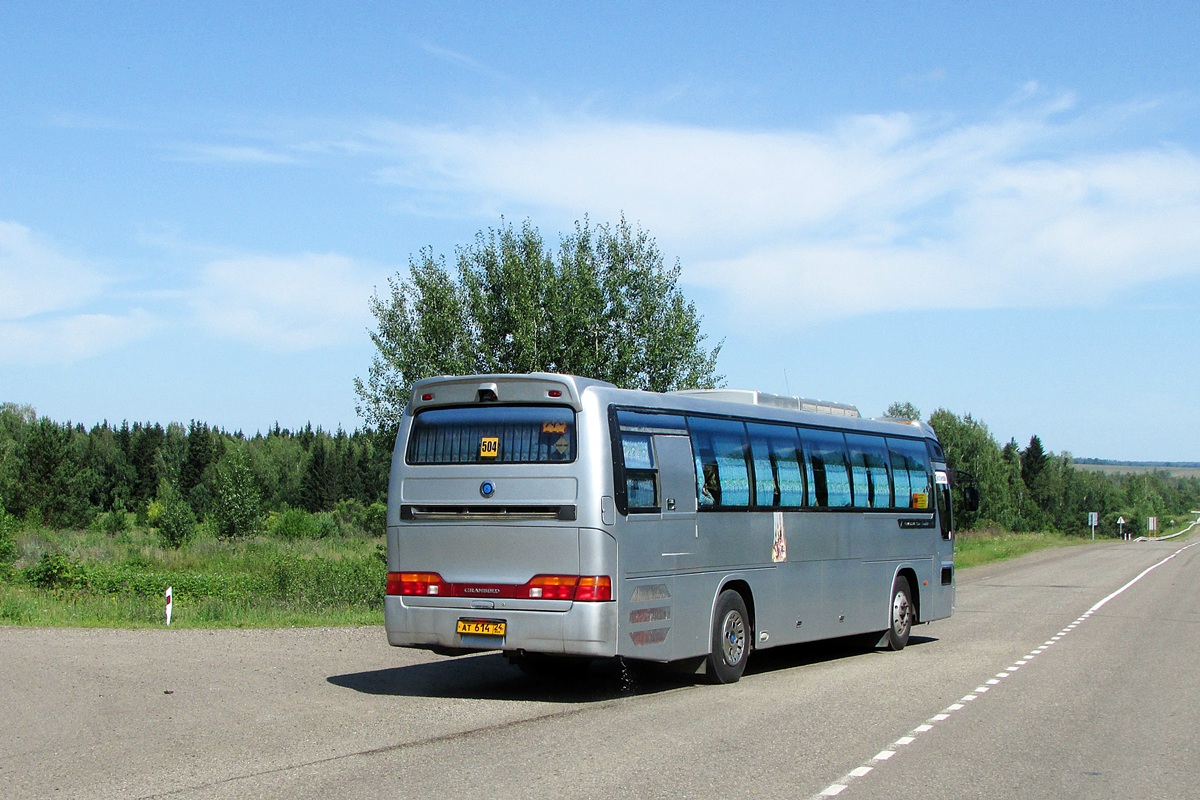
[869, 469]
[910, 468]
[825, 452]
[635, 471]
[943, 505]
[778, 475]
[901, 483]
[641, 484]
[722, 467]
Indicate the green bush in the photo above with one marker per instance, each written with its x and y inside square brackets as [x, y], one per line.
[130, 579]
[292, 524]
[348, 511]
[111, 522]
[56, 570]
[8, 541]
[375, 520]
[151, 514]
[327, 525]
[171, 515]
[326, 583]
[236, 509]
[176, 523]
[369, 520]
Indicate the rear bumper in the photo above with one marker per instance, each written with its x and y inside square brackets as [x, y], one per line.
[583, 629]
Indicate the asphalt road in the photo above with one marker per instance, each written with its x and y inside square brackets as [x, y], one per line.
[1082, 701]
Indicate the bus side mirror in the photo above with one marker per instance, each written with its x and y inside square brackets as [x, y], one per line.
[971, 497]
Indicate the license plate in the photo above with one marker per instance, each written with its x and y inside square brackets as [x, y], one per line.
[482, 627]
[489, 447]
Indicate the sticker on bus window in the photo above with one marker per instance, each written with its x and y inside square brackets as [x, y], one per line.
[489, 446]
[779, 549]
[554, 427]
[920, 500]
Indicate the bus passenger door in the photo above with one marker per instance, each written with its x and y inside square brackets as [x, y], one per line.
[681, 547]
[658, 547]
[942, 598]
[677, 478]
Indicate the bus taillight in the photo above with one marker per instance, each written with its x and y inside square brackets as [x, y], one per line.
[594, 588]
[415, 584]
[585, 589]
[551, 587]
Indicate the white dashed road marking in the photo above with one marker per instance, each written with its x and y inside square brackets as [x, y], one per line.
[843, 783]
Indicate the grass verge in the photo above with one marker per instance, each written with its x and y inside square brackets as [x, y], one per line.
[975, 548]
[89, 579]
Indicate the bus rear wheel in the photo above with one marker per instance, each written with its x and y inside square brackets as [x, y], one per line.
[730, 639]
[903, 613]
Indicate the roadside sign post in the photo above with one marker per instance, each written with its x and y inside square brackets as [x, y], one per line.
[1121, 526]
[1093, 520]
[1154, 526]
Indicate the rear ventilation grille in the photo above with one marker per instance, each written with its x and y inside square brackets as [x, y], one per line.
[460, 513]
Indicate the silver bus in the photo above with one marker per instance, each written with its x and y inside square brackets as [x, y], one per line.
[549, 515]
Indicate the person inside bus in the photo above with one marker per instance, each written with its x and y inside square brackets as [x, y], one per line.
[710, 491]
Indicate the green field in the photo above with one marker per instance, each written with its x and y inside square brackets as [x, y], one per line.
[975, 548]
[1174, 470]
[93, 579]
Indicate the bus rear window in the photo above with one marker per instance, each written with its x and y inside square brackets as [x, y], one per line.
[490, 434]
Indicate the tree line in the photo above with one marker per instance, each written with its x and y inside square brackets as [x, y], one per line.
[68, 476]
[1031, 489]
[176, 477]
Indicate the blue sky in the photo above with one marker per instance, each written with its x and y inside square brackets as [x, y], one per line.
[988, 208]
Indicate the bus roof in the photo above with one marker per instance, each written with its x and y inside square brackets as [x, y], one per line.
[531, 387]
[550, 387]
[757, 398]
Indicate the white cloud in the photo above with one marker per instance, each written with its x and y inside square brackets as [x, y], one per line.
[59, 310]
[42, 294]
[36, 278]
[285, 303]
[688, 179]
[73, 338]
[1025, 209]
[230, 154]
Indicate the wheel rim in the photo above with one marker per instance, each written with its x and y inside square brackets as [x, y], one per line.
[733, 637]
[901, 613]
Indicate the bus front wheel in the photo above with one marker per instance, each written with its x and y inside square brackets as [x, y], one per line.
[730, 639]
[902, 613]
